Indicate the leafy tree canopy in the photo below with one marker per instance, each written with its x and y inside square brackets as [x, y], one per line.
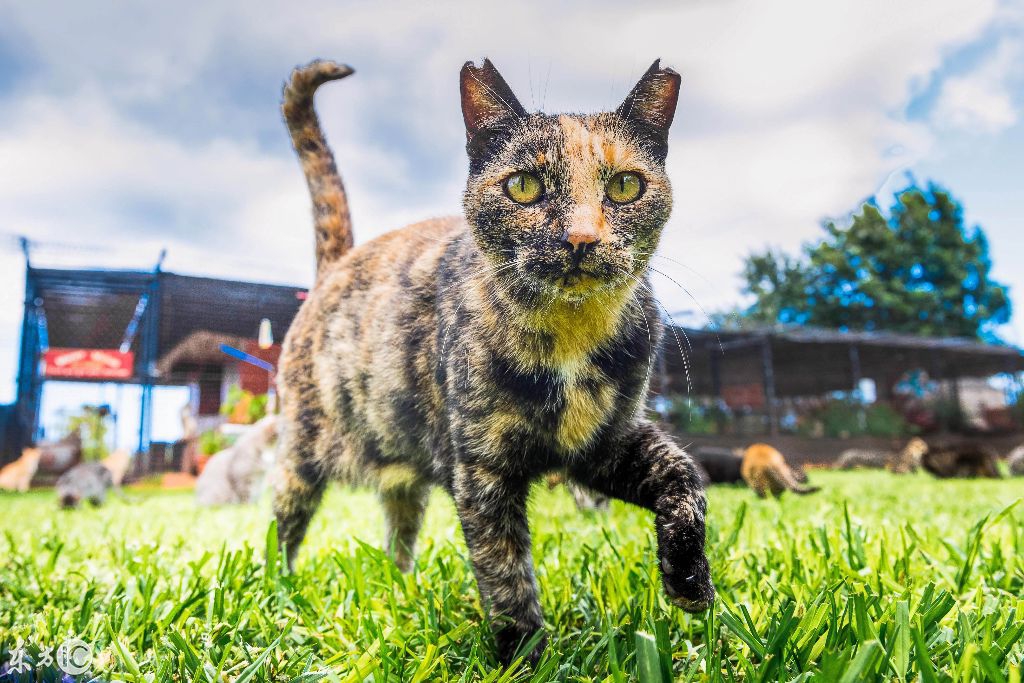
[917, 270]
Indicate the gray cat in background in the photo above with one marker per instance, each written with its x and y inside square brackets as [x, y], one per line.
[86, 481]
[1015, 461]
[236, 474]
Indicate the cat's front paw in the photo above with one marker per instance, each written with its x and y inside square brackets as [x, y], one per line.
[688, 583]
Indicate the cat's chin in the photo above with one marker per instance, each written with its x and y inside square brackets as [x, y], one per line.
[579, 287]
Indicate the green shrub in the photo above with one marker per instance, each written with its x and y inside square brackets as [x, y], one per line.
[881, 419]
[842, 418]
[92, 425]
[255, 404]
[690, 417]
[213, 441]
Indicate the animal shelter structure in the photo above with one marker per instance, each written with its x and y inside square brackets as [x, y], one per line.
[762, 375]
[154, 328]
[147, 328]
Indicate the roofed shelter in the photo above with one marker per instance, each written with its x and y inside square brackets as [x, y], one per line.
[148, 328]
[759, 367]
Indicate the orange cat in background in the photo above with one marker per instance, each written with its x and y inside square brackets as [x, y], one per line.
[118, 463]
[765, 469]
[18, 475]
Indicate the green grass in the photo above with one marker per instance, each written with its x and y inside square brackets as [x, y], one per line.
[875, 578]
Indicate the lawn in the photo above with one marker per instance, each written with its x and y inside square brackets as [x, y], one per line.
[876, 578]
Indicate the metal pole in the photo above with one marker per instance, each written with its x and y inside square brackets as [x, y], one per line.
[149, 344]
[28, 360]
[768, 368]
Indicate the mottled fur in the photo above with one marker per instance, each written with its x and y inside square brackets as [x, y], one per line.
[961, 461]
[765, 469]
[904, 461]
[17, 476]
[86, 481]
[479, 353]
[331, 221]
[236, 474]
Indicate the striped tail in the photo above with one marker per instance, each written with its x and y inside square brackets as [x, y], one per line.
[331, 218]
[789, 480]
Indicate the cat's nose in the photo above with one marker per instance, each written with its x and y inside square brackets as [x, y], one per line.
[580, 239]
[583, 230]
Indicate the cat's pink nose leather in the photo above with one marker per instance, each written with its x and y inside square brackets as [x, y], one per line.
[584, 227]
[581, 238]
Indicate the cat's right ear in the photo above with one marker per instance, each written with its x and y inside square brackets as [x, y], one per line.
[488, 105]
[651, 105]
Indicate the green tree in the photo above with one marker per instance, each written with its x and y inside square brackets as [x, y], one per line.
[918, 270]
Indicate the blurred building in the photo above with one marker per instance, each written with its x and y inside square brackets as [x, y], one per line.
[148, 329]
[797, 385]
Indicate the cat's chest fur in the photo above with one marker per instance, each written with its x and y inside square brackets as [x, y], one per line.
[541, 376]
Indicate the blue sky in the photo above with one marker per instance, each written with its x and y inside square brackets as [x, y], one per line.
[125, 128]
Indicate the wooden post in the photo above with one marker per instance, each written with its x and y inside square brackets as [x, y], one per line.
[716, 390]
[958, 407]
[938, 375]
[768, 370]
[855, 379]
[855, 371]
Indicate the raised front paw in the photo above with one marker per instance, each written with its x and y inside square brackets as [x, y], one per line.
[688, 583]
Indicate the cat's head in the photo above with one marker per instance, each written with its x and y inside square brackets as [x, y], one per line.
[567, 205]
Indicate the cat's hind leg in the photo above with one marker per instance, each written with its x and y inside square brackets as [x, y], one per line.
[298, 487]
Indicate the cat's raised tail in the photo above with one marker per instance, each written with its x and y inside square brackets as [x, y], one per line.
[331, 219]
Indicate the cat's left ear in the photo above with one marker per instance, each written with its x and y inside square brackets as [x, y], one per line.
[486, 97]
[488, 106]
[651, 105]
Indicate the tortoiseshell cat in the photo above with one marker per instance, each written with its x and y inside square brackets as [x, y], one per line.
[480, 353]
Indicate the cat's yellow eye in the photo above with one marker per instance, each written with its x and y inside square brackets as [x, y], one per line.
[624, 187]
[523, 187]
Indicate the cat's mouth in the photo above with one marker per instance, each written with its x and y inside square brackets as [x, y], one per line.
[578, 280]
[576, 275]
[570, 279]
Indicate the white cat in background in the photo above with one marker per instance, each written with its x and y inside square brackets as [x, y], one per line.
[236, 474]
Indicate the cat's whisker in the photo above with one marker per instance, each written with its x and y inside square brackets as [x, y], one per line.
[655, 254]
[486, 267]
[682, 354]
[547, 79]
[707, 318]
[496, 95]
[480, 270]
[641, 396]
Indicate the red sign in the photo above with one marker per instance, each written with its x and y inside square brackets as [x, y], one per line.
[744, 395]
[252, 378]
[88, 364]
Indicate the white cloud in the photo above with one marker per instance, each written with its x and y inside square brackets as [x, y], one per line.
[981, 100]
[789, 113]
